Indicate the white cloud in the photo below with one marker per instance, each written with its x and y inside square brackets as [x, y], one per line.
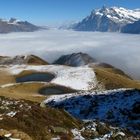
[120, 50]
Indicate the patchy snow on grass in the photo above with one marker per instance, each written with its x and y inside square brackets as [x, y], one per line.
[117, 107]
[14, 139]
[8, 135]
[15, 84]
[1, 119]
[10, 107]
[77, 134]
[11, 114]
[57, 138]
[105, 137]
[63, 97]
[79, 78]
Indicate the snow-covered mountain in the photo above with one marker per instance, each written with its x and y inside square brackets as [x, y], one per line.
[108, 19]
[14, 25]
[133, 28]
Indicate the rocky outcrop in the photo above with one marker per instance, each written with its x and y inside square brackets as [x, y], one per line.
[75, 59]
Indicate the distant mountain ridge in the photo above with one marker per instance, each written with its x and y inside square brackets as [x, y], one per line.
[14, 25]
[133, 28]
[111, 19]
[22, 59]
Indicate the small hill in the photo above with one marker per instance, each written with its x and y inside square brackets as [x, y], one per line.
[108, 67]
[75, 59]
[21, 59]
[35, 60]
[111, 78]
[107, 75]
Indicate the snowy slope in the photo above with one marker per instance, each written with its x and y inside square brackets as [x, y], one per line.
[110, 19]
[79, 78]
[119, 14]
[117, 107]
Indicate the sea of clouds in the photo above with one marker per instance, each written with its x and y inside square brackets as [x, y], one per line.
[120, 50]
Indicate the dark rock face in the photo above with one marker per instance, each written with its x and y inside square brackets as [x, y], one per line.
[136, 108]
[75, 59]
[14, 25]
[133, 28]
[97, 23]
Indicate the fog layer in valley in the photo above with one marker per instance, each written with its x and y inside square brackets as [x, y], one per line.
[120, 50]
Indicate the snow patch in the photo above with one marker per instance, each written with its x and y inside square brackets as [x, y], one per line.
[79, 78]
[77, 134]
[11, 114]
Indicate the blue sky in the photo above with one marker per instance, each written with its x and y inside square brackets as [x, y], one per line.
[56, 11]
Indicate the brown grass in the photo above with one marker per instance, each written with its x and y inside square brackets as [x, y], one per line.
[5, 77]
[35, 60]
[24, 73]
[28, 91]
[38, 122]
[111, 79]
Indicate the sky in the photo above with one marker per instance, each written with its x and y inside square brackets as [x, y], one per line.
[51, 12]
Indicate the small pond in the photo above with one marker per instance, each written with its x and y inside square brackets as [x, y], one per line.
[55, 90]
[41, 77]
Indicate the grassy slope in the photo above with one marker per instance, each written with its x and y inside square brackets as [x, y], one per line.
[5, 77]
[40, 123]
[28, 91]
[112, 79]
[35, 60]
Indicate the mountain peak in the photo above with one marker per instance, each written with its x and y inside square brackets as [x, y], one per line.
[119, 14]
[104, 9]
[12, 20]
[110, 19]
